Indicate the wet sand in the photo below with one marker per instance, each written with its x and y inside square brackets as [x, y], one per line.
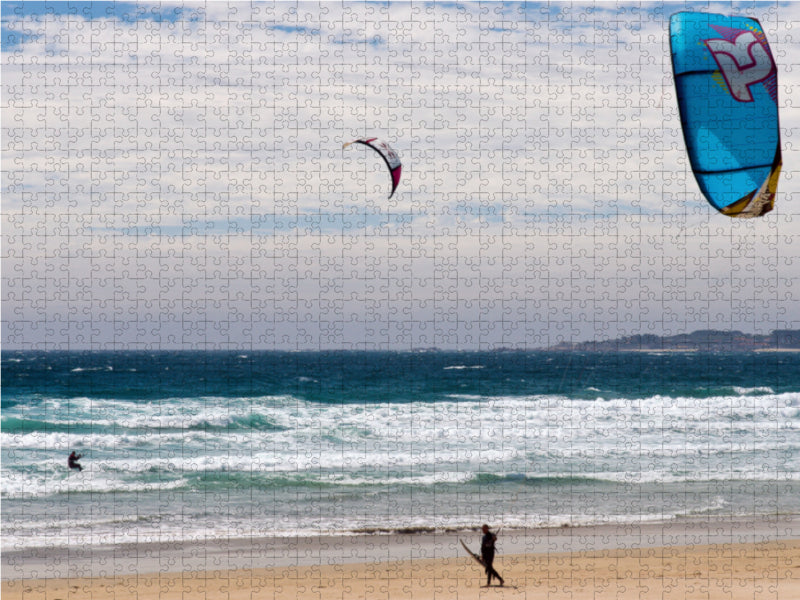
[700, 559]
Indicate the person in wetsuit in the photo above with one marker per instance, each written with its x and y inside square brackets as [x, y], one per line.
[72, 461]
[487, 554]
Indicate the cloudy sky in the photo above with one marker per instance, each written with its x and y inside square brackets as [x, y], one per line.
[173, 177]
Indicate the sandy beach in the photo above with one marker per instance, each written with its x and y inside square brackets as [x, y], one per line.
[744, 560]
[769, 570]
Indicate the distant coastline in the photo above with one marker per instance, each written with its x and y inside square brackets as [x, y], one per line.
[706, 340]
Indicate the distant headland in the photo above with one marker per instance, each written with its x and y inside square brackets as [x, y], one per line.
[706, 340]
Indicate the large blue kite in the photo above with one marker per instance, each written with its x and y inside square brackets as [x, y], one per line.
[727, 85]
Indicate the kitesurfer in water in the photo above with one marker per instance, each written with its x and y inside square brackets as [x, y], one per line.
[72, 461]
[487, 554]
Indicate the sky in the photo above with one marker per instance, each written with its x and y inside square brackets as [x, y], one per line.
[173, 178]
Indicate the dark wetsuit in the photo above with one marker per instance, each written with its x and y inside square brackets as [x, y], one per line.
[487, 554]
[72, 461]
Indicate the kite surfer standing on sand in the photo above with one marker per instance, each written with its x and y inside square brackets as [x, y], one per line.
[487, 554]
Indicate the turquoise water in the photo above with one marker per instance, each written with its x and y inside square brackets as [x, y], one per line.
[182, 445]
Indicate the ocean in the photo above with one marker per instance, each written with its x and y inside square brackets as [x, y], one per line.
[222, 445]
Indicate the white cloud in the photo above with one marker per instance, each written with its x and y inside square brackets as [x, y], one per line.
[181, 183]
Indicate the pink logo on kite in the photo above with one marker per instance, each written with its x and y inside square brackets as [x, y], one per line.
[743, 61]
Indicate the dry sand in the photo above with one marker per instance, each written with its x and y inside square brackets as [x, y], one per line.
[762, 571]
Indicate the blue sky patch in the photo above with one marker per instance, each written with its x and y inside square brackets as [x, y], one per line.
[14, 14]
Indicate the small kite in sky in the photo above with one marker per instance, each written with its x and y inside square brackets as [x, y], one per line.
[727, 86]
[388, 155]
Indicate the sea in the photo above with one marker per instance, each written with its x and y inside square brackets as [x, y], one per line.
[180, 446]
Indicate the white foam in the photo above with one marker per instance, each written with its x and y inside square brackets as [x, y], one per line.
[743, 391]
[676, 439]
[19, 485]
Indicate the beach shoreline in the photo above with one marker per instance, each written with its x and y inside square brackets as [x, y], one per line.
[744, 558]
[287, 552]
[329, 481]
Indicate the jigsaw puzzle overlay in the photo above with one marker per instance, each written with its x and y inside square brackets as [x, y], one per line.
[297, 297]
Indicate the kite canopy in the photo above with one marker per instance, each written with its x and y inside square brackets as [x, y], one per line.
[727, 86]
[388, 155]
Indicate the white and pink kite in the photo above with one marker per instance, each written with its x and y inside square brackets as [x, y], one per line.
[388, 155]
